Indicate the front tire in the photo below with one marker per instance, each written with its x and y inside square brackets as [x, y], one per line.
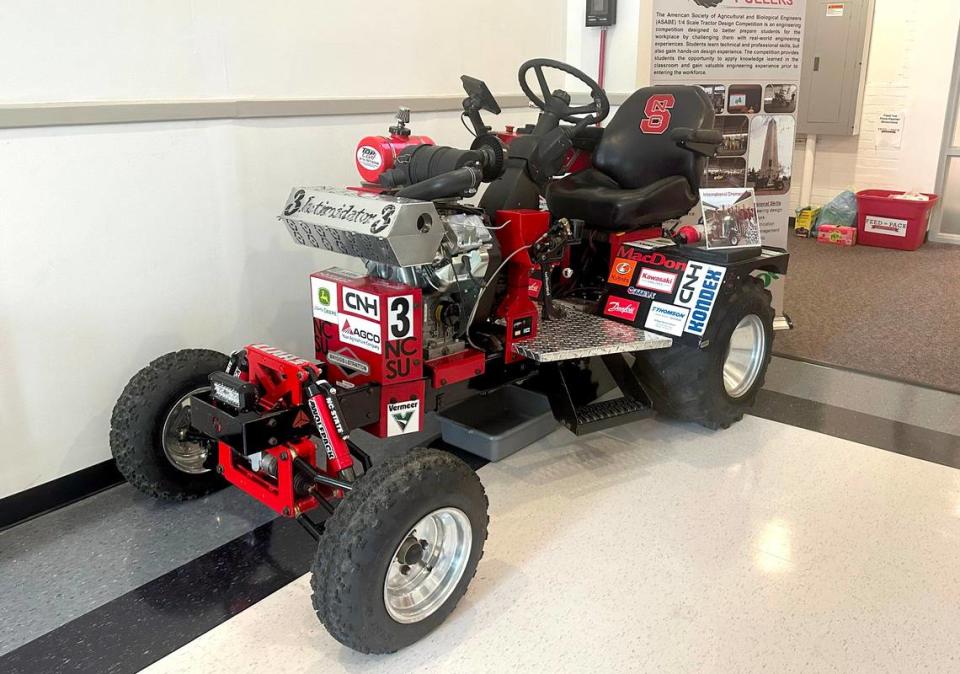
[715, 385]
[148, 418]
[399, 551]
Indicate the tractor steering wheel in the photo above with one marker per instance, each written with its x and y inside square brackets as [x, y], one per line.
[558, 103]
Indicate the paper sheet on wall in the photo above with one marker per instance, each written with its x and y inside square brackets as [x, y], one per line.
[889, 131]
[747, 57]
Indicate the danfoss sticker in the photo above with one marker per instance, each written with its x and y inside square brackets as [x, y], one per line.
[698, 292]
[360, 333]
[619, 307]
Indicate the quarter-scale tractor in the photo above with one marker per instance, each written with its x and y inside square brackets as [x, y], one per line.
[562, 277]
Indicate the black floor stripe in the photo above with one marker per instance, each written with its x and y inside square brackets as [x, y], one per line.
[144, 625]
[895, 436]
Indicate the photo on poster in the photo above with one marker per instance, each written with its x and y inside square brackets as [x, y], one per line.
[770, 159]
[717, 93]
[726, 172]
[735, 130]
[730, 218]
[780, 98]
[745, 99]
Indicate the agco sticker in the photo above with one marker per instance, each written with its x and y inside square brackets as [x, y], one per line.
[360, 333]
[622, 272]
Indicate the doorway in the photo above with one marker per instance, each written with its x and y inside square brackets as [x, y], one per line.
[945, 223]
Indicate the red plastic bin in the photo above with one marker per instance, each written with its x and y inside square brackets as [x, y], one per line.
[885, 221]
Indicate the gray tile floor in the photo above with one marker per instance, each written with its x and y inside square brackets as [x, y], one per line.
[64, 564]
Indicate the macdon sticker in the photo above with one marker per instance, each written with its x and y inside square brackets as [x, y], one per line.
[400, 311]
[656, 280]
[360, 333]
[618, 307]
[324, 299]
[698, 292]
[403, 418]
[667, 318]
[654, 259]
[621, 273]
[361, 303]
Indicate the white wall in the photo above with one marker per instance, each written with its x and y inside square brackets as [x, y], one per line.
[120, 243]
[911, 62]
[583, 46]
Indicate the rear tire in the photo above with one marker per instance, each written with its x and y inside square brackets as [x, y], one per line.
[139, 418]
[355, 577]
[687, 383]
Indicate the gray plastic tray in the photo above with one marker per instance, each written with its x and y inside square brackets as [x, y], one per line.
[495, 426]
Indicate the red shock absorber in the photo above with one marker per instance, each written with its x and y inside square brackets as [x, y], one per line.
[328, 419]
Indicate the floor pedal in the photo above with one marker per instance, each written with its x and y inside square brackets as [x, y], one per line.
[606, 414]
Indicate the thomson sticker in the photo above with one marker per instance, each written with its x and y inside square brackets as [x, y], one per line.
[403, 418]
[324, 299]
[667, 318]
[698, 292]
[360, 332]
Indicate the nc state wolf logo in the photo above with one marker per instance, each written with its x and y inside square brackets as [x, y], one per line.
[657, 112]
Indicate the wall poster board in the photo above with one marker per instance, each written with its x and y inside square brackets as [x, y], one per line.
[746, 54]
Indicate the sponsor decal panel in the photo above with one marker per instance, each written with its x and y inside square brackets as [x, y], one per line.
[667, 318]
[698, 292]
[889, 226]
[347, 361]
[619, 307]
[400, 311]
[640, 292]
[622, 272]
[360, 332]
[403, 418]
[361, 303]
[324, 299]
[656, 280]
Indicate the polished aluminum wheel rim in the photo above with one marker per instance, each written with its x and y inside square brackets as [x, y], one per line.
[745, 355]
[427, 565]
[188, 456]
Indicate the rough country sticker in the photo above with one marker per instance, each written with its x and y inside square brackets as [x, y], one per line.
[400, 312]
[656, 280]
[889, 226]
[348, 362]
[359, 332]
[619, 307]
[667, 318]
[369, 158]
[403, 418]
[361, 303]
[622, 272]
[698, 293]
[324, 299]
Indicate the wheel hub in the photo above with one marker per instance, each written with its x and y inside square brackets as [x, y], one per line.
[427, 565]
[184, 454]
[745, 356]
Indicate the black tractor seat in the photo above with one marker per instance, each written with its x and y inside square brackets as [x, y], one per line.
[647, 165]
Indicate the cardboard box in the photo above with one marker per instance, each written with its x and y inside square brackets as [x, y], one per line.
[837, 235]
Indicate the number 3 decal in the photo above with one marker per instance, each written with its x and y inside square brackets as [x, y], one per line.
[657, 114]
[401, 317]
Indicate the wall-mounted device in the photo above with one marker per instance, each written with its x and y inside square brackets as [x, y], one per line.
[601, 13]
[834, 72]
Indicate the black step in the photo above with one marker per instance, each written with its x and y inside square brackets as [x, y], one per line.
[606, 414]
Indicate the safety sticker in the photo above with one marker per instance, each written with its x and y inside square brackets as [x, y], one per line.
[324, 299]
[403, 418]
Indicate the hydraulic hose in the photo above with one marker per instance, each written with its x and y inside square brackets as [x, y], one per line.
[449, 184]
